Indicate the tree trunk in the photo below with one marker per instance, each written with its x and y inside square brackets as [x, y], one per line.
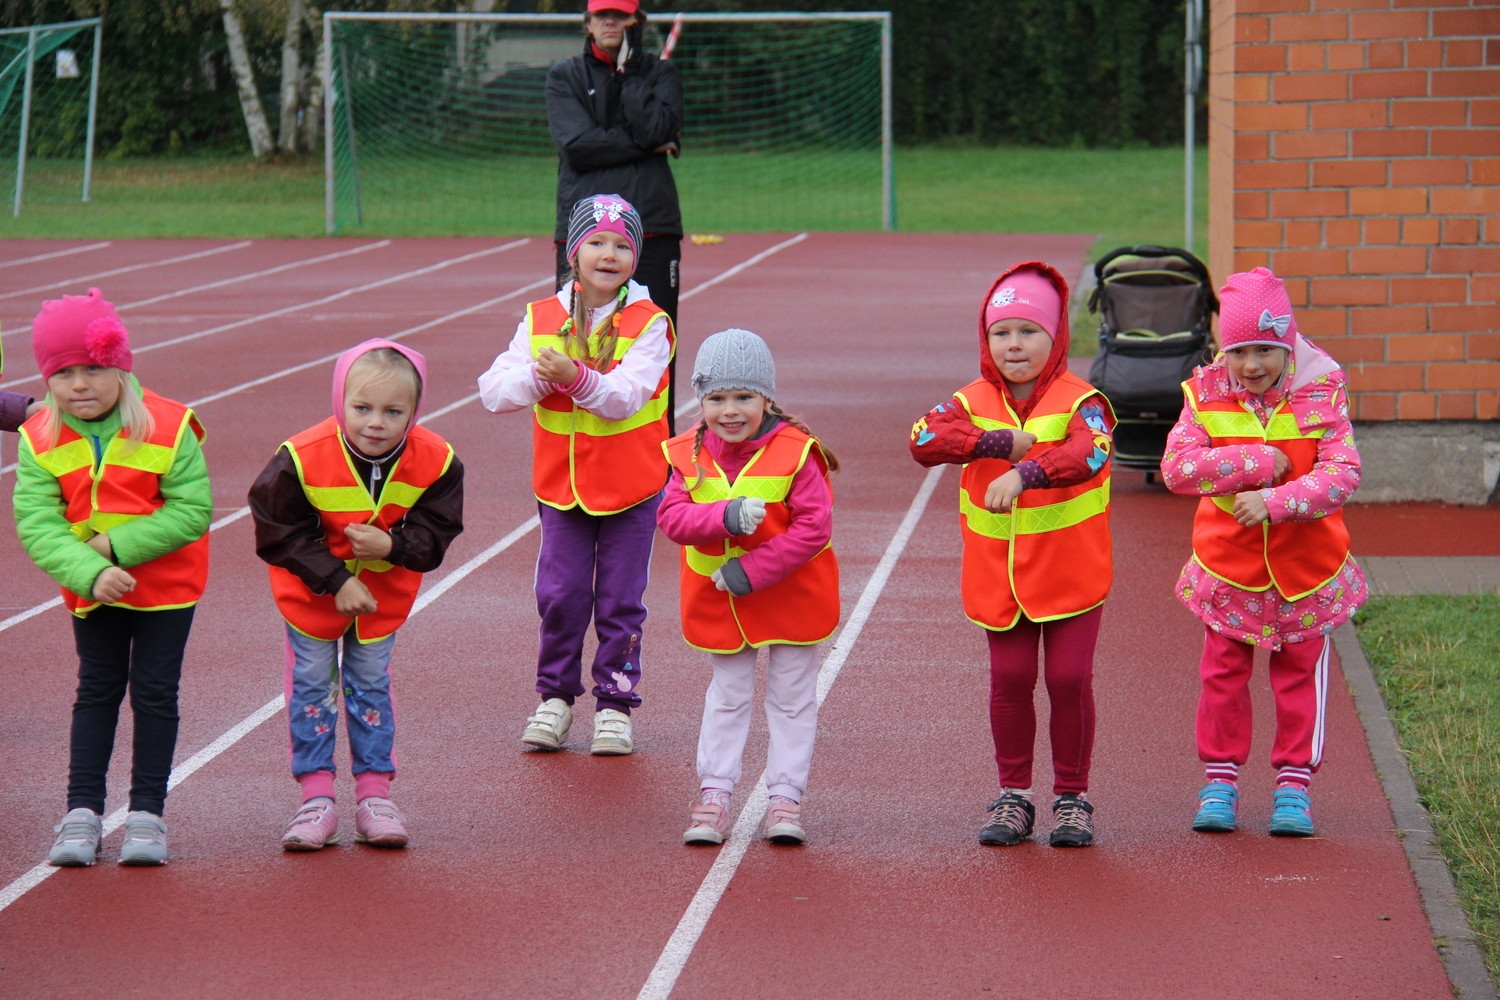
[244, 78]
[291, 76]
[312, 118]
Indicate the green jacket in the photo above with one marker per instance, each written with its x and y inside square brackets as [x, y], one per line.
[45, 534]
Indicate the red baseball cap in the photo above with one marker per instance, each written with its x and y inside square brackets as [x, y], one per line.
[625, 6]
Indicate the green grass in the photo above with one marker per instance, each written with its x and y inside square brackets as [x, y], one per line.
[1119, 196]
[1435, 659]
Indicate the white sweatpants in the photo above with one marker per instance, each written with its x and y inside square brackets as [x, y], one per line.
[791, 718]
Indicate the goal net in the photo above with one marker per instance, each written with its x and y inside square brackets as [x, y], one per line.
[438, 123]
[48, 92]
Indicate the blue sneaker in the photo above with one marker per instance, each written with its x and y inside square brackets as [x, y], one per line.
[1291, 815]
[1218, 803]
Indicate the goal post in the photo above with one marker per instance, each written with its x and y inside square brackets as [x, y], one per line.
[437, 123]
[49, 98]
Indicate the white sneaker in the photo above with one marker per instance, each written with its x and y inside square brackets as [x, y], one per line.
[548, 727]
[611, 734]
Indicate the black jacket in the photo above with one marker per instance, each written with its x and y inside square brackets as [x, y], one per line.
[605, 125]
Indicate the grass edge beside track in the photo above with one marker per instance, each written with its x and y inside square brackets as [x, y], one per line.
[1433, 659]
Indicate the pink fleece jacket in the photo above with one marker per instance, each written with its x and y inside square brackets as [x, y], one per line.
[809, 501]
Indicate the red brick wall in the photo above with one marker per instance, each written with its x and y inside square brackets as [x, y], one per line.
[1354, 149]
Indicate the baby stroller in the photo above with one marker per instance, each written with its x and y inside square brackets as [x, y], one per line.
[1155, 306]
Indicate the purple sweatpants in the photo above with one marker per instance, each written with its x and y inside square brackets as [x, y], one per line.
[593, 567]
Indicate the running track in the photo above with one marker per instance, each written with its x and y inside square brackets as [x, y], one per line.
[563, 875]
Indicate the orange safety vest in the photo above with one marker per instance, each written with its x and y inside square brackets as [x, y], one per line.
[1050, 556]
[580, 460]
[1296, 557]
[125, 485]
[340, 497]
[802, 608]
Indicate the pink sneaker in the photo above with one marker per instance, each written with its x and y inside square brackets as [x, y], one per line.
[316, 824]
[784, 822]
[378, 822]
[710, 819]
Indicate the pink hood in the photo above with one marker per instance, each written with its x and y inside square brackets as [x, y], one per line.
[1057, 361]
[346, 360]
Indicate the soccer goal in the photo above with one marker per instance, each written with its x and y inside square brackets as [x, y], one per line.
[437, 123]
[49, 94]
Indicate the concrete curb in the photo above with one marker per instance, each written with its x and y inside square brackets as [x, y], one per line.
[1450, 929]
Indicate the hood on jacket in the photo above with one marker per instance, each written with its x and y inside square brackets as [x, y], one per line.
[346, 361]
[1057, 361]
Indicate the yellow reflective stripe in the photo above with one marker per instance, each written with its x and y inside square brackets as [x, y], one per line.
[981, 521]
[401, 494]
[102, 520]
[988, 424]
[373, 565]
[1051, 427]
[152, 458]
[1281, 427]
[703, 564]
[1066, 514]
[66, 458]
[711, 490]
[581, 421]
[771, 489]
[338, 499]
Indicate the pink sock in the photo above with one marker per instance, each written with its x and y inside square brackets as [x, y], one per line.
[317, 785]
[372, 783]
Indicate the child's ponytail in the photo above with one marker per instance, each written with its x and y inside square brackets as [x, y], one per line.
[829, 458]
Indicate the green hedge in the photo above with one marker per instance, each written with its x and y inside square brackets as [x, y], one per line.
[1044, 72]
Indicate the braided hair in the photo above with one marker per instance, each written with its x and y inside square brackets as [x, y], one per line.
[575, 332]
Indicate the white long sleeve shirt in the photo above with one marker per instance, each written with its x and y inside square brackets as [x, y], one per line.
[511, 382]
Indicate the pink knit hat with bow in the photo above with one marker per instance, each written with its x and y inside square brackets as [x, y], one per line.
[79, 330]
[1025, 294]
[1254, 309]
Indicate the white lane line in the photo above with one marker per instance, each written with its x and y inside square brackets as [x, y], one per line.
[275, 313]
[55, 253]
[74, 282]
[38, 874]
[679, 947]
[249, 276]
[742, 266]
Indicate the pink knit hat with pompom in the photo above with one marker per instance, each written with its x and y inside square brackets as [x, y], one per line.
[1255, 309]
[79, 330]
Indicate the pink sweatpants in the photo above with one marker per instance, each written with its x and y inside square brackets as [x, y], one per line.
[1069, 647]
[1299, 682]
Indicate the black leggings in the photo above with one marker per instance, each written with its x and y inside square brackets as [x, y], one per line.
[141, 650]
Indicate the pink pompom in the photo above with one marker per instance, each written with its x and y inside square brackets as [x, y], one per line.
[107, 343]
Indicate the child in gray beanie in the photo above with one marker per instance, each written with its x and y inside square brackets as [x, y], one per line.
[750, 503]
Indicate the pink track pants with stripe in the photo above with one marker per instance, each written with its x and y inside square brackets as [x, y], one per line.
[1299, 682]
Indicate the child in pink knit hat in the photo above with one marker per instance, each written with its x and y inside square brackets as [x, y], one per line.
[1265, 441]
[1034, 443]
[113, 502]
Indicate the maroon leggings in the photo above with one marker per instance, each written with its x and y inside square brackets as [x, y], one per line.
[1069, 647]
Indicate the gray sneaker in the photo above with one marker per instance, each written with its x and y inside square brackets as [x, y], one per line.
[77, 843]
[145, 840]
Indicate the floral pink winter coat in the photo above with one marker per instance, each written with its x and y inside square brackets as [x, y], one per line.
[1191, 467]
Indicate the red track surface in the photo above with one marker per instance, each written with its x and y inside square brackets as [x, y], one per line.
[562, 875]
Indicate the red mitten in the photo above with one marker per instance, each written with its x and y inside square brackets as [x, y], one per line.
[945, 435]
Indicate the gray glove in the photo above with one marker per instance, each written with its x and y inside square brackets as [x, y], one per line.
[743, 515]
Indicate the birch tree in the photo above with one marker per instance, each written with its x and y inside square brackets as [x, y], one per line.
[244, 78]
[291, 76]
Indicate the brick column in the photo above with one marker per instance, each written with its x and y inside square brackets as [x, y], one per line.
[1354, 149]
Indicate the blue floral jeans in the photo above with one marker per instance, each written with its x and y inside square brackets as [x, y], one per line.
[314, 679]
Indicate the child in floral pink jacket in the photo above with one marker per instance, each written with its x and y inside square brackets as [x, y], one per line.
[1265, 440]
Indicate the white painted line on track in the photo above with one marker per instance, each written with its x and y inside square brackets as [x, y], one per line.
[742, 266]
[275, 313]
[679, 947]
[56, 253]
[74, 282]
[38, 874]
[249, 276]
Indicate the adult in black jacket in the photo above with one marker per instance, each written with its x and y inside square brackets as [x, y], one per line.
[615, 112]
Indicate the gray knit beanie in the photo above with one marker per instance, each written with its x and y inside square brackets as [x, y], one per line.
[734, 359]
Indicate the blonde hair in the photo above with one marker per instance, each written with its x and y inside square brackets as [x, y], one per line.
[829, 458]
[136, 422]
[575, 332]
[385, 364]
